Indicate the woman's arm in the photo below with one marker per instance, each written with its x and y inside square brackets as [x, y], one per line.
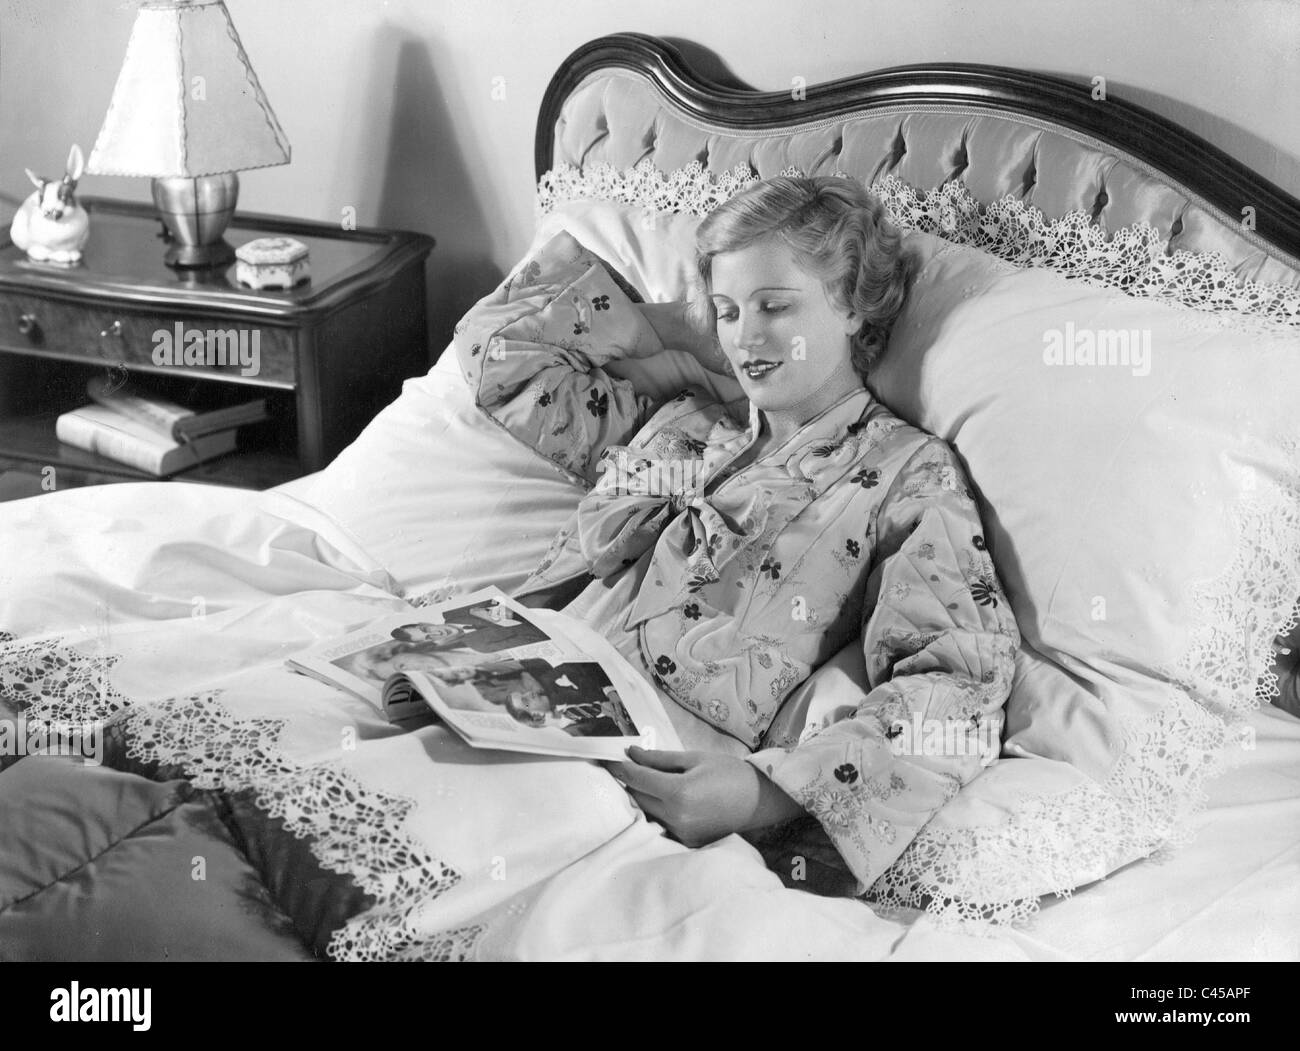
[940, 643]
[673, 325]
[533, 354]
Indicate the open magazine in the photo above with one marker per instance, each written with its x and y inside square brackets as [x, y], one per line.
[501, 675]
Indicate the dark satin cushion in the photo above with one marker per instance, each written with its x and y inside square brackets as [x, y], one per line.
[318, 901]
[1286, 664]
[98, 864]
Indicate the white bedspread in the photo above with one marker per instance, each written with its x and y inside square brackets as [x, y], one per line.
[1232, 893]
[185, 600]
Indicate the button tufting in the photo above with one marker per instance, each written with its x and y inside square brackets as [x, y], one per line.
[830, 158]
[961, 161]
[1175, 229]
[1099, 203]
[824, 149]
[899, 148]
[1030, 179]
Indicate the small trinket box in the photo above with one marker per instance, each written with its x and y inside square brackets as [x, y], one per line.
[272, 262]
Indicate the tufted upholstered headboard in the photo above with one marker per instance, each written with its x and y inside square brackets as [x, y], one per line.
[624, 98]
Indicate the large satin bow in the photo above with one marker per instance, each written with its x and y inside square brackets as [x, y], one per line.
[695, 545]
[704, 536]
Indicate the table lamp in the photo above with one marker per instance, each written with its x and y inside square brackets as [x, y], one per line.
[188, 112]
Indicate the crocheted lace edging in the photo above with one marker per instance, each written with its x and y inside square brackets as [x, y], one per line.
[1157, 786]
[351, 829]
[1132, 259]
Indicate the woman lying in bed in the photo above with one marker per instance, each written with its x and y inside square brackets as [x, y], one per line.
[728, 558]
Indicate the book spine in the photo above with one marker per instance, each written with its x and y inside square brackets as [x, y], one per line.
[163, 417]
[115, 445]
[228, 419]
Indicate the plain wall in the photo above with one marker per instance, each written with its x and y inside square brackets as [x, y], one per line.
[389, 104]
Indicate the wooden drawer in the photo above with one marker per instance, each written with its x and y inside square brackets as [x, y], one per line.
[229, 348]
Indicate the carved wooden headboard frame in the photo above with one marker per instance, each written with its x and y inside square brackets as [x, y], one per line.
[1129, 163]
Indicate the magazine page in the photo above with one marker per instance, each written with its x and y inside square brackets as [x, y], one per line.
[640, 698]
[501, 674]
[570, 709]
[463, 630]
[586, 702]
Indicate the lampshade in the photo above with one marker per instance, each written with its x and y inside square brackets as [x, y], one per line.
[187, 102]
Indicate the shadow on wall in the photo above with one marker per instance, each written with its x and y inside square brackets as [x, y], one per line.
[1245, 146]
[425, 184]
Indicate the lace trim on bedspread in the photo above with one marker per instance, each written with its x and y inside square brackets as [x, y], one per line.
[351, 829]
[1132, 259]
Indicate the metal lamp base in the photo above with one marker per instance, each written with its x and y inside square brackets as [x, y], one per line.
[195, 212]
[199, 257]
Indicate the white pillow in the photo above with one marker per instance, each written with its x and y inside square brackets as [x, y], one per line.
[440, 495]
[1145, 520]
[654, 250]
[1112, 490]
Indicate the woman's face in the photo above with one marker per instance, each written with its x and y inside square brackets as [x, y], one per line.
[788, 344]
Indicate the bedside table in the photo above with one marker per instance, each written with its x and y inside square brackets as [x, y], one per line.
[327, 355]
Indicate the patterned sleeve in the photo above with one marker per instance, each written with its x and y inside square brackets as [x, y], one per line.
[533, 354]
[940, 643]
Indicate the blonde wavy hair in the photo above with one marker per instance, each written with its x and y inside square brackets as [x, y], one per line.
[837, 230]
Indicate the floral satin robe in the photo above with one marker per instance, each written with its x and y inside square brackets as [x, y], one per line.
[728, 588]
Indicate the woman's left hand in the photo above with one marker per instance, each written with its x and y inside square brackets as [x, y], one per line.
[701, 796]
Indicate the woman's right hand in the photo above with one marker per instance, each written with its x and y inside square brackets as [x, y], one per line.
[673, 326]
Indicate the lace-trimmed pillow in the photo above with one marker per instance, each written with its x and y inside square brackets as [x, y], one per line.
[646, 219]
[1145, 515]
[1138, 462]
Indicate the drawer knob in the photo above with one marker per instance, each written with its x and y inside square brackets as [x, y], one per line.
[28, 325]
[115, 329]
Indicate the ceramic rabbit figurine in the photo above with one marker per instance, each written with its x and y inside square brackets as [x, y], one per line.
[51, 227]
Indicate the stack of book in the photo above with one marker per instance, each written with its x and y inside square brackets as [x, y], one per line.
[150, 434]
